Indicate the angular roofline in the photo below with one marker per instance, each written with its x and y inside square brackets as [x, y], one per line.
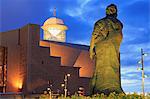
[18, 28]
[78, 46]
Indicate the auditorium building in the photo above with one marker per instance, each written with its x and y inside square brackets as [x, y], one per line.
[30, 65]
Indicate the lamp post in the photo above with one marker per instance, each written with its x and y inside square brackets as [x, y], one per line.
[49, 92]
[65, 84]
[142, 62]
[143, 75]
[49, 89]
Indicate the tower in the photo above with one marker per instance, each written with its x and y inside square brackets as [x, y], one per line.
[54, 29]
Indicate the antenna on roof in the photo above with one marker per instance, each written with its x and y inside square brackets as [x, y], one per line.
[54, 12]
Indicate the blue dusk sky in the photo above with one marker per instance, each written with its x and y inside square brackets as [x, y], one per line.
[80, 16]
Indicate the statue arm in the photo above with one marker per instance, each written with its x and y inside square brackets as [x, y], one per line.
[96, 36]
[92, 45]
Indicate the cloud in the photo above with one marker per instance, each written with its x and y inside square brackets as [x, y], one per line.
[131, 53]
[81, 14]
[82, 42]
[134, 35]
[74, 12]
[132, 69]
[83, 3]
[84, 11]
[132, 79]
[133, 85]
[130, 82]
[133, 2]
[134, 48]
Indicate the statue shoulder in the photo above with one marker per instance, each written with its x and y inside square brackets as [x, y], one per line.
[114, 22]
[100, 22]
[120, 23]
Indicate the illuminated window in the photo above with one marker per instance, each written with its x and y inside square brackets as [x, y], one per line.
[54, 29]
[3, 59]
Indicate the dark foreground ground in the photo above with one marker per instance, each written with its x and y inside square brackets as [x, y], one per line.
[98, 96]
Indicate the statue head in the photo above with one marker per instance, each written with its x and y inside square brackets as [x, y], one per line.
[111, 10]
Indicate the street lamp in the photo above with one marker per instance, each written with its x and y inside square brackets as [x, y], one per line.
[49, 89]
[65, 84]
[142, 63]
[49, 92]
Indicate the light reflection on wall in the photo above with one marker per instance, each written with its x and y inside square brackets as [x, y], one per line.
[82, 60]
[17, 82]
[16, 78]
[20, 83]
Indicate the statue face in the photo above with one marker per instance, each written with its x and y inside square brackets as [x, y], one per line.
[111, 10]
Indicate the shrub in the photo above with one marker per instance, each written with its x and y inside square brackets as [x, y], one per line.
[102, 96]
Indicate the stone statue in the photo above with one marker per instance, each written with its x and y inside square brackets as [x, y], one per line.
[104, 48]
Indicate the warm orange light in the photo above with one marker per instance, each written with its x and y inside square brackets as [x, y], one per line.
[67, 59]
[18, 84]
[44, 44]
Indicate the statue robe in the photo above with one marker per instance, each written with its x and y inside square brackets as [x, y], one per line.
[105, 45]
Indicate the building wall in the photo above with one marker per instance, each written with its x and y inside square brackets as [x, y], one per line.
[32, 64]
[70, 56]
[10, 40]
[86, 64]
